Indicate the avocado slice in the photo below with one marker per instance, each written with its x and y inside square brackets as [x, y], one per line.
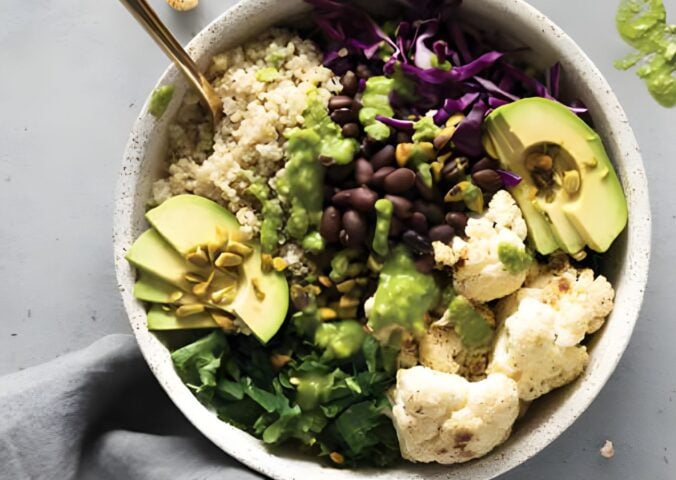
[262, 299]
[160, 318]
[186, 221]
[577, 200]
[150, 288]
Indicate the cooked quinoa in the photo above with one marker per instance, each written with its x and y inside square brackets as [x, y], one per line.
[263, 85]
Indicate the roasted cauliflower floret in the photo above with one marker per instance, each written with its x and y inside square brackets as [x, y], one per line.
[441, 349]
[493, 261]
[441, 417]
[542, 325]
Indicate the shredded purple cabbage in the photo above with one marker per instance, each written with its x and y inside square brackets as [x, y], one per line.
[403, 125]
[509, 179]
[451, 71]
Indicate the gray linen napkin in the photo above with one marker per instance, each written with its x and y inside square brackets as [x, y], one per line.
[99, 414]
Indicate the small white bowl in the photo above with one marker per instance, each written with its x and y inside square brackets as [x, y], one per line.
[626, 267]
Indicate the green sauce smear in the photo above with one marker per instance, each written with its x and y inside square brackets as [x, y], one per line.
[160, 99]
[515, 259]
[468, 323]
[403, 297]
[643, 25]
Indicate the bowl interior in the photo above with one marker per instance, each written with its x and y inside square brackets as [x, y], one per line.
[625, 266]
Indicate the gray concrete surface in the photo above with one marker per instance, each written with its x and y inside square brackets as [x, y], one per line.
[74, 75]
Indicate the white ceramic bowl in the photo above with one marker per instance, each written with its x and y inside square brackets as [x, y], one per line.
[627, 264]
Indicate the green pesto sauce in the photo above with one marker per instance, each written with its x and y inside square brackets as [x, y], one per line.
[304, 177]
[425, 130]
[643, 25]
[402, 298]
[468, 323]
[340, 339]
[376, 101]
[272, 217]
[515, 259]
[312, 389]
[159, 100]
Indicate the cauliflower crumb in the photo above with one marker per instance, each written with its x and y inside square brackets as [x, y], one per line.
[607, 450]
[440, 417]
[479, 274]
[542, 326]
[441, 349]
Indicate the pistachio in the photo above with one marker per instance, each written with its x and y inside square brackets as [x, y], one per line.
[443, 139]
[325, 281]
[539, 161]
[403, 153]
[455, 119]
[266, 262]
[373, 264]
[279, 264]
[224, 295]
[228, 259]
[194, 277]
[571, 181]
[337, 458]
[200, 289]
[199, 257]
[224, 321]
[362, 281]
[187, 310]
[347, 301]
[299, 297]
[175, 296]
[436, 168]
[579, 256]
[239, 248]
[327, 314]
[346, 286]
[255, 283]
[278, 360]
[166, 308]
[313, 290]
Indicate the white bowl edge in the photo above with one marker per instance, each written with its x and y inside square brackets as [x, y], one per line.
[564, 406]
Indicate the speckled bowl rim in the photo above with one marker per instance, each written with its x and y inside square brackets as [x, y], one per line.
[566, 405]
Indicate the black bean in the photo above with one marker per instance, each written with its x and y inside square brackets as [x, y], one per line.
[425, 263]
[402, 206]
[363, 171]
[330, 225]
[454, 170]
[356, 228]
[396, 227]
[350, 83]
[370, 147]
[417, 243]
[418, 222]
[350, 130]
[458, 221]
[456, 206]
[337, 174]
[442, 233]
[379, 176]
[344, 115]
[361, 198]
[404, 137]
[383, 157]
[487, 180]
[399, 181]
[432, 211]
[485, 163]
[363, 71]
[429, 194]
[340, 101]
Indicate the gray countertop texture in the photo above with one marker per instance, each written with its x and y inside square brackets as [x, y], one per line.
[75, 75]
